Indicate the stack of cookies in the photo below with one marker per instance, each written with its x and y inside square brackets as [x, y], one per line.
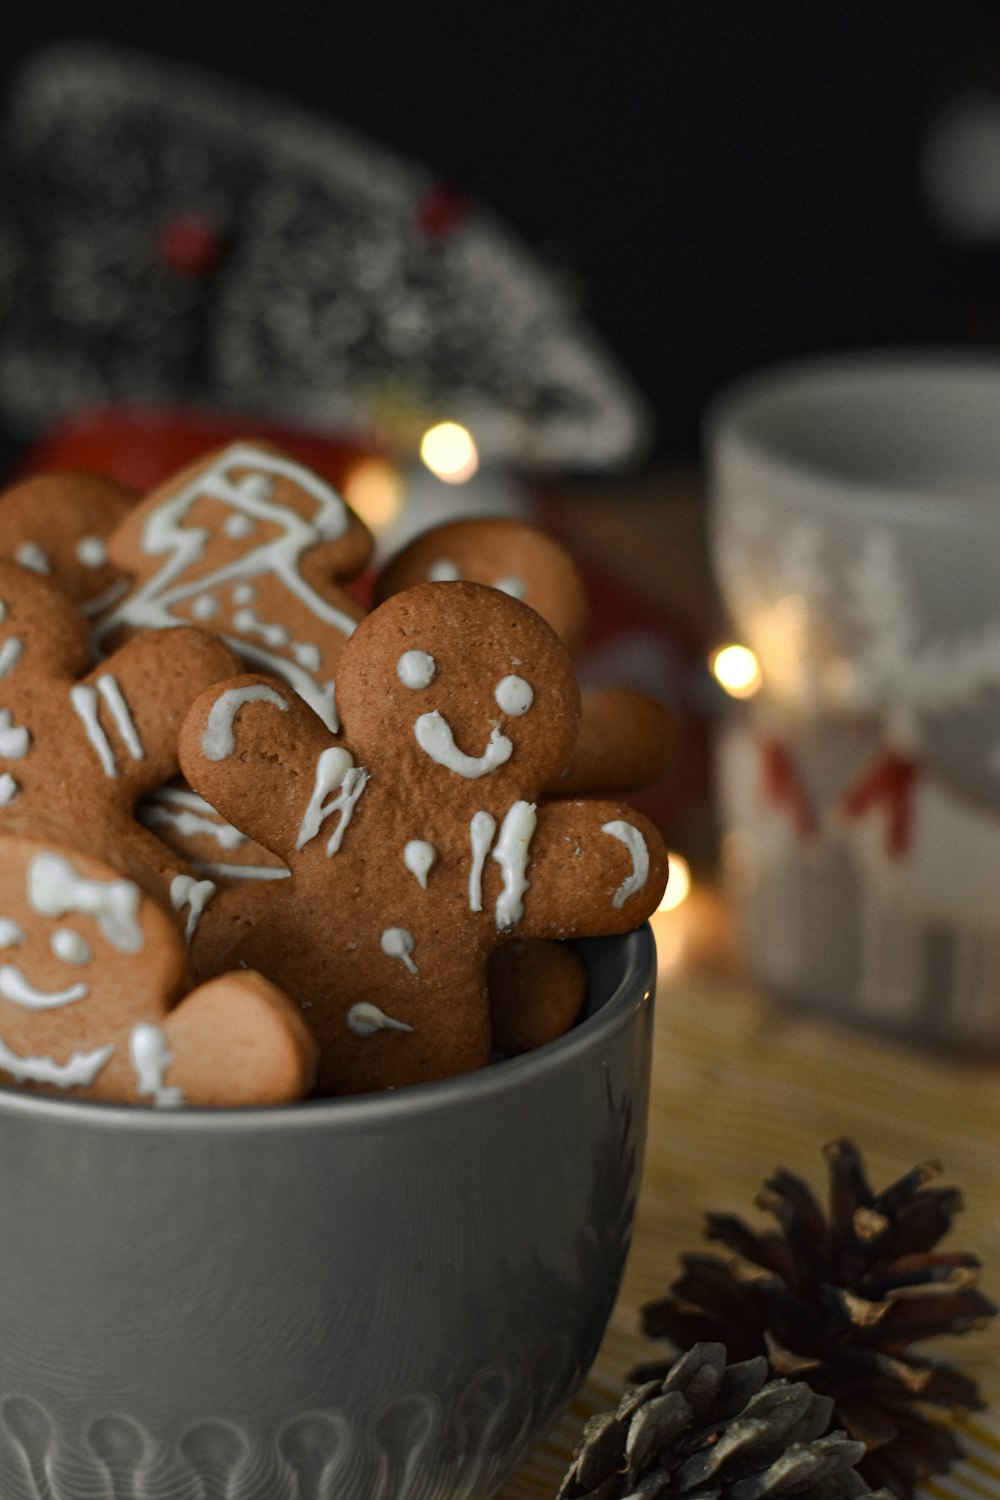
[273, 845]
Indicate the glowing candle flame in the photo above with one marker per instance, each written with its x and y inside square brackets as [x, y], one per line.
[374, 489]
[736, 669]
[449, 451]
[678, 886]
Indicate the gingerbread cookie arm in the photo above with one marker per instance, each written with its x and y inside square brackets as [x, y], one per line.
[40, 630]
[254, 750]
[626, 742]
[593, 868]
[132, 706]
[57, 524]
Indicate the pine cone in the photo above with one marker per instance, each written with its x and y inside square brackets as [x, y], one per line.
[709, 1432]
[839, 1304]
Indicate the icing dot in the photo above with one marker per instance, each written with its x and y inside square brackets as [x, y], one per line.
[398, 943]
[365, 1019]
[8, 789]
[30, 555]
[205, 606]
[257, 487]
[244, 593]
[512, 585]
[420, 857]
[514, 695]
[92, 552]
[416, 669]
[70, 946]
[443, 571]
[11, 936]
[307, 655]
[238, 526]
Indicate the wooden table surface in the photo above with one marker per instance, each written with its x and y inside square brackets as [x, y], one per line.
[740, 1087]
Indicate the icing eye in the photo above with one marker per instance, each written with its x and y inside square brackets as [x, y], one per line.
[443, 570]
[514, 695]
[70, 946]
[416, 669]
[11, 936]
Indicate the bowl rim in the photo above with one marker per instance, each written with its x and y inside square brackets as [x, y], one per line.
[633, 991]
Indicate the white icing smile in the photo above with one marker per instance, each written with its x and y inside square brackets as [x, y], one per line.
[14, 987]
[435, 738]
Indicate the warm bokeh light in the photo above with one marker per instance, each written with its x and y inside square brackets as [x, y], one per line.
[736, 669]
[374, 489]
[678, 886]
[449, 451]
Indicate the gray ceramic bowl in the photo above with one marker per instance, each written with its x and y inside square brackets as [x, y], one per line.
[388, 1297]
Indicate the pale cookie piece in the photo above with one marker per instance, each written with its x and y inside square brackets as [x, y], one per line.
[57, 524]
[453, 765]
[537, 990]
[93, 976]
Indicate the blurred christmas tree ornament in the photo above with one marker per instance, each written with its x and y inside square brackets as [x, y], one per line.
[840, 1301]
[168, 238]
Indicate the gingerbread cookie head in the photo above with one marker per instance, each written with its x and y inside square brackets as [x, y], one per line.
[91, 967]
[505, 553]
[251, 546]
[57, 524]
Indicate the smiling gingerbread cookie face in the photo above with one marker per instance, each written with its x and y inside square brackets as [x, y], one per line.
[91, 969]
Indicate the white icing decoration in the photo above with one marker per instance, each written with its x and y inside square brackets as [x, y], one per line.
[155, 603]
[20, 991]
[514, 695]
[512, 585]
[55, 888]
[511, 854]
[248, 622]
[31, 556]
[195, 894]
[435, 738]
[636, 845]
[3, 611]
[481, 830]
[9, 789]
[218, 742]
[151, 1057]
[420, 857]
[240, 872]
[106, 598]
[365, 1019]
[416, 669]
[84, 700]
[398, 943]
[443, 570]
[92, 552]
[79, 1072]
[11, 935]
[307, 655]
[205, 607]
[10, 654]
[15, 741]
[70, 946]
[244, 593]
[193, 816]
[238, 527]
[335, 769]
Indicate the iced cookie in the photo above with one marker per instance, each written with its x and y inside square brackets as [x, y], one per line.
[58, 524]
[626, 739]
[93, 993]
[84, 749]
[421, 840]
[252, 547]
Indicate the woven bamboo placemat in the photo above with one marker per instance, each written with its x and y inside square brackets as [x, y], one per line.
[740, 1087]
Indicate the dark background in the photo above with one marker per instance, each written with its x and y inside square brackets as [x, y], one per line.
[725, 183]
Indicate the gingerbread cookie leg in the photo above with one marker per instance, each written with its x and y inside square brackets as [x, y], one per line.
[537, 989]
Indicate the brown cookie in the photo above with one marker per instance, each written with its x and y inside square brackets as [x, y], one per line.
[93, 993]
[83, 749]
[626, 743]
[200, 836]
[537, 990]
[58, 524]
[419, 841]
[251, 546]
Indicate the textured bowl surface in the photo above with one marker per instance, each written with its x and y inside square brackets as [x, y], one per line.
[387, 1297]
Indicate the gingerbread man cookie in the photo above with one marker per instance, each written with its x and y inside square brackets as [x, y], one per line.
[250, 546]
[83, 749]
[92, 975]
[419, 841]
[626, 739]
[57, 524]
